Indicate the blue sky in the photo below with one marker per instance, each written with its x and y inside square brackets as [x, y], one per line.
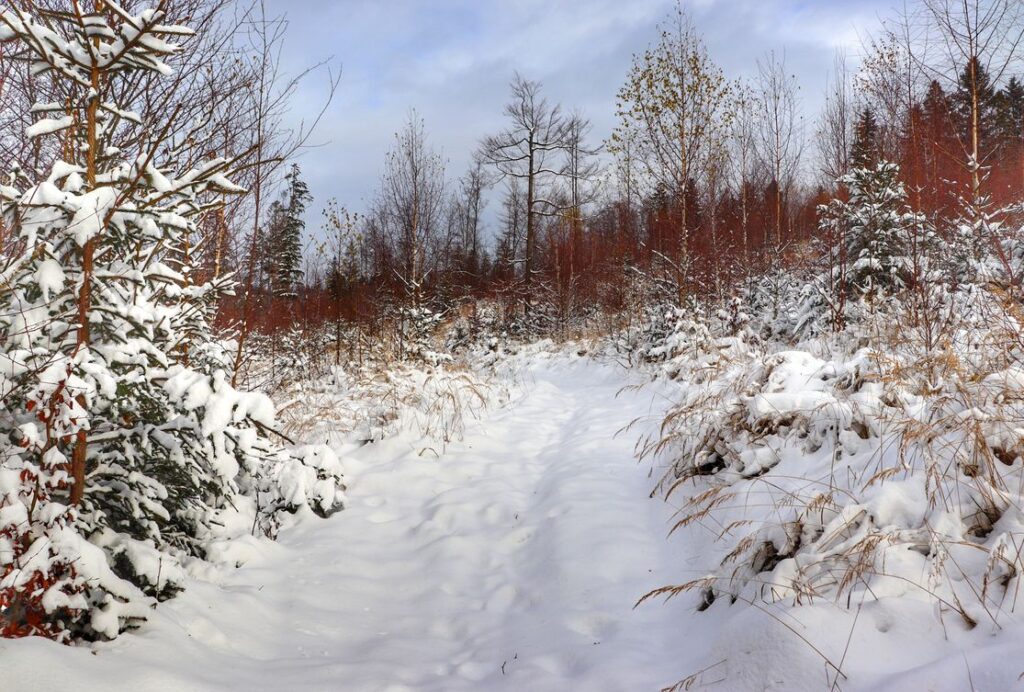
[452, 60]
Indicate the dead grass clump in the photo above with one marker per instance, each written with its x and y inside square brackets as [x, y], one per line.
[894, 470]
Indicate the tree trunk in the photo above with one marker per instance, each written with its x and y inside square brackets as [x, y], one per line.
[528, 261]
[79, 454]
[975, 153]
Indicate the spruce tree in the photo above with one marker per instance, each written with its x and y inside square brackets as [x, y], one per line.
[285, 235]
[875, 225]
[121, 440]
[1010, 114]
[935, 111]
[864, 151]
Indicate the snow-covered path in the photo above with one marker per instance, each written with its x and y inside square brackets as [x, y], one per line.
[512, 561]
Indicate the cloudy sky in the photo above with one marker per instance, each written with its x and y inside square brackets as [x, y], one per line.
[451, 60]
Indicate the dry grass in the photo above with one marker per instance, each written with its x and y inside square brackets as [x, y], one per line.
[942, 418]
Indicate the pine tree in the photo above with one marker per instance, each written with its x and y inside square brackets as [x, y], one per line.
[121, 440]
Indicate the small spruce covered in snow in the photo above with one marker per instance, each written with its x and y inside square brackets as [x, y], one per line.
[875, 226]
[123, 443]
[417, 327]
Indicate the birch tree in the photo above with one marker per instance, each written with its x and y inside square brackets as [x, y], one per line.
[670, 110]
[835, 125]
[980, 42]
[743, 138]
[780, 132]
[411, 205]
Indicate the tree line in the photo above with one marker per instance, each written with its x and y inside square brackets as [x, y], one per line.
[704, 183]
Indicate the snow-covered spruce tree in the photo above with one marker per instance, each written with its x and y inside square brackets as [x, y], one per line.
[874, 227]
[976, 235]
[123, 446]
[416, 330]
[285, 235]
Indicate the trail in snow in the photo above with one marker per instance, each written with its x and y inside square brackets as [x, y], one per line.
[510, 562]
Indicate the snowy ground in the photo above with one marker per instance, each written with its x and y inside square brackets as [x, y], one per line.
[512, 561]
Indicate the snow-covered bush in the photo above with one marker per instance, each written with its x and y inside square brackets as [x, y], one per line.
[275, 361]
[123, 440]
[884, 461]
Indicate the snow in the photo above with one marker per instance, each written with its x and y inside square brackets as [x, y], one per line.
[50, 276]
[94, 208]
[48, 126]
[511, 561]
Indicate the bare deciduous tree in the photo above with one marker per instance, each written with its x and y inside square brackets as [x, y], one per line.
[780, 136]
[743, 137]
[411, 204]
[526, 151]
[835, 125]
[267, 142]
[465, 218]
